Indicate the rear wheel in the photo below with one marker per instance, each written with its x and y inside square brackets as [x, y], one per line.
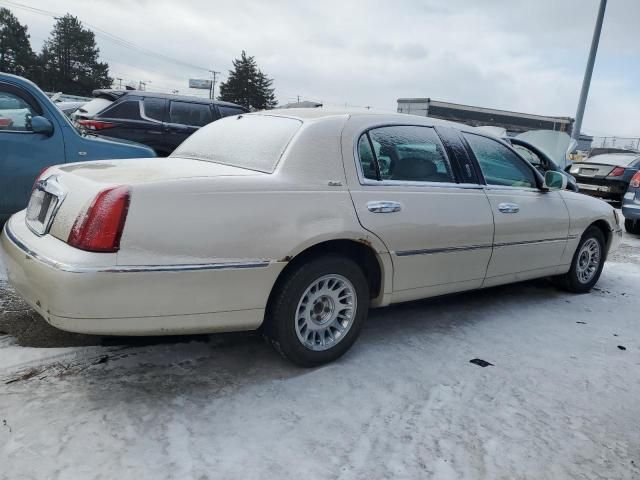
[632, 226]
[318, 310]
[587, 263]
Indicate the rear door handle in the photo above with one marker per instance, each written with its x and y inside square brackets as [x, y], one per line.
[509, 207]
[384, 206]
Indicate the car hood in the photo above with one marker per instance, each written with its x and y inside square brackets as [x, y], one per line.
[556, 145]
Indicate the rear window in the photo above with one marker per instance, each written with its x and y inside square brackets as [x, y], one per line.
[254, 142]
[94, 106]
[154, 108]
[613, 159]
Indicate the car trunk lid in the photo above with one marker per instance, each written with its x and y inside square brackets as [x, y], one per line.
[64, 192]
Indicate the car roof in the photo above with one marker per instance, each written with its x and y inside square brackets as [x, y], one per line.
[169, 96]
[308, 114]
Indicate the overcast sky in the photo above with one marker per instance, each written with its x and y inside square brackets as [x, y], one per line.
[518, 55]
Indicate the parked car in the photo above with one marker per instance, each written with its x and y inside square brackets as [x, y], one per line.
[69, 107]
[35, 134]
[539, 159]
[631, 206]
[159, 120]
[606, 176]
[318, 216]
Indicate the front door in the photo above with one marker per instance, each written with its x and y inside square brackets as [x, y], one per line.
[23, 153]
[531, 225]
[439, 232]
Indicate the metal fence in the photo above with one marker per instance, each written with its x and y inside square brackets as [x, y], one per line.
[631, 143]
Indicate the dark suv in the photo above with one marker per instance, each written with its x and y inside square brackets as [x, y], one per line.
[161, 121]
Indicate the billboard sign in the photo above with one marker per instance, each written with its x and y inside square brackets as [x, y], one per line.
[200, 84]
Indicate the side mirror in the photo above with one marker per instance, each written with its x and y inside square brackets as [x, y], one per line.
[41, 125]
[554, 180]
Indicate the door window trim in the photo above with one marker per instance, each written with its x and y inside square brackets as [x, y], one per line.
[406, 183]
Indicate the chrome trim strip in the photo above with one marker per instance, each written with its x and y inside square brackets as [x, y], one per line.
[130, 268]
[530, 242]
[430, 251]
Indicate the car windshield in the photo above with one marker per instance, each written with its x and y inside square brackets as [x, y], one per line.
[254, 142]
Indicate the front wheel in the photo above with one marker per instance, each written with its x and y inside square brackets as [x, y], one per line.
[587, 263]
[632, 226]
[317, 312]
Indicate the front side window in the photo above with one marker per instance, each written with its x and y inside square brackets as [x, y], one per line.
[154, 108]
[408, 153]
[193, 114]
[500, 166]
[15, 113]
[529, 155]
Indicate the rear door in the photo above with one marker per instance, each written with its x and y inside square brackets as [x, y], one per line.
[438, 228]
[531, 226]
[23, 153]
[185, 118]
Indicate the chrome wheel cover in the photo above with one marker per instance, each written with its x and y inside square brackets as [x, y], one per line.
[326, 312]
[588, 260]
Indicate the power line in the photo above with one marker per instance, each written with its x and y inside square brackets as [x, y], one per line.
[109, 36]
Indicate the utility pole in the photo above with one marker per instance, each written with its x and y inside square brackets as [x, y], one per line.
[586, 82]
[212, 92]
[298, 99]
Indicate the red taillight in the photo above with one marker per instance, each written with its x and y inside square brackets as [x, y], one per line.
[96, 124]
[635, 180]
[99, 229]
[5, 122]
[40, 175]
[617, 172]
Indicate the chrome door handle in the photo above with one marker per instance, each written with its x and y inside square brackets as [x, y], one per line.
[384, 207]
[509, 207]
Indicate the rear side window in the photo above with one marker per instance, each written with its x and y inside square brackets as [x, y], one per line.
[409, 153]
[254, 142]
[154, 108]
[500, 166]
[15, 113]
[227, 111]
[193, 114]
[127, 110]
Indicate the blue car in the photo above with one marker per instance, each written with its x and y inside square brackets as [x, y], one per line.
[631, 206]
[35, 134]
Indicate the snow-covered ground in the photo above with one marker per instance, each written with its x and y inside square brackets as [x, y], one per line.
[560, 401]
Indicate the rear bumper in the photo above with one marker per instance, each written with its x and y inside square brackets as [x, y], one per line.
[93, 297]
[608, 189]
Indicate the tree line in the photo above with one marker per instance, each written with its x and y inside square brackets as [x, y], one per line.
[69, 62]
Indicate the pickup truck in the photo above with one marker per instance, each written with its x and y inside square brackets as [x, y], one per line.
[35, 134]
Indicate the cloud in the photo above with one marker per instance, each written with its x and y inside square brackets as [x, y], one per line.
[517, 55]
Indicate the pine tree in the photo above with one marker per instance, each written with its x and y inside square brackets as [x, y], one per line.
[69, 60]
[248, 86]
[16, 55]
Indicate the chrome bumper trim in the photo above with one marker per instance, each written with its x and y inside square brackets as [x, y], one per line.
[130, 268]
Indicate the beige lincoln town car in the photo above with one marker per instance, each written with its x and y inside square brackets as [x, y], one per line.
[296, 221]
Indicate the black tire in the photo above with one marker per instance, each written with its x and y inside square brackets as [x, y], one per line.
[632, 226]
[280, 321]
[570, 281]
